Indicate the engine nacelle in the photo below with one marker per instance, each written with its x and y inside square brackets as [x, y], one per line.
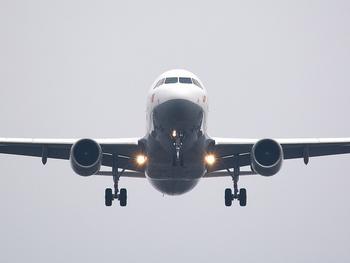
[86, 157]
[267, 157]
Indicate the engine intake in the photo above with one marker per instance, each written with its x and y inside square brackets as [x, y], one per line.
[267, 157]
[86, 157]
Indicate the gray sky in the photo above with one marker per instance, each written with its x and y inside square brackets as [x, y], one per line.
[83, 69]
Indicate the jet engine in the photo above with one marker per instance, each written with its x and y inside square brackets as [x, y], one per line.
[266, 157]
[86, 157]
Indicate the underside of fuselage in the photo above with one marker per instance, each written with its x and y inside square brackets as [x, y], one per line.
[176, 147]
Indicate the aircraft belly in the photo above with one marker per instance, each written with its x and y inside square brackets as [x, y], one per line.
[173, 187]
[174, 180]
[170, 176]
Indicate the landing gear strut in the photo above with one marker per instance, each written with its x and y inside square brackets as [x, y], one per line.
[177, 137]
[240, 195]
[119, 195]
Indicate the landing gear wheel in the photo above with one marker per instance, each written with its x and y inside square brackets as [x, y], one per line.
[242, 197]
[228, 197]
[108, 197]
[123, 197]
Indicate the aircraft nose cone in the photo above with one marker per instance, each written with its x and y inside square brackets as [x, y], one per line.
[187, 92]
[178, 114]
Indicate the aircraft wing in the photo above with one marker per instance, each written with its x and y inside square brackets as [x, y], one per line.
[227, 150]
[126, 149]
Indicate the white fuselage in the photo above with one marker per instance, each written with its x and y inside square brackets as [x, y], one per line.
[166, 92]
[177, 108]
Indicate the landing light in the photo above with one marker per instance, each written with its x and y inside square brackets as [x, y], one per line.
[174, 133]
[141, 159]
[210, 159]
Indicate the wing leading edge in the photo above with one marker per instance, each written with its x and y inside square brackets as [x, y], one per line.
[236, 152]
[230, 152]
[125, 149]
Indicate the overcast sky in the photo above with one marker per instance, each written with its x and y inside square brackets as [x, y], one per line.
[83, 69]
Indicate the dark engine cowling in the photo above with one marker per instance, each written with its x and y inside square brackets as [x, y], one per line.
[86, 157]
[267, 157]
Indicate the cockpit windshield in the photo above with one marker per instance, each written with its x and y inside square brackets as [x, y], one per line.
[171, 80]
[196, 82]
[160, 82]
[185, 80]
[182, 80]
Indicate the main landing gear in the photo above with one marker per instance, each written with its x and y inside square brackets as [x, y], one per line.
[240, 195]
[121, 195]
[117, 195]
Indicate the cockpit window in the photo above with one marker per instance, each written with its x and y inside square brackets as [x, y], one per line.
[171, 80]
[185, 80]
[196, 82]
[160, 82]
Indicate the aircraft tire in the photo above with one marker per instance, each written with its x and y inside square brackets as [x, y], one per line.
[123, 197]
[228, 197]
[242, 197]
[108, 197]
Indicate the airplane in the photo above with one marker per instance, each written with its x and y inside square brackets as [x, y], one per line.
[176, 151]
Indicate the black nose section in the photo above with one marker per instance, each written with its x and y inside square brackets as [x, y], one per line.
[174, 187]
[177, 115]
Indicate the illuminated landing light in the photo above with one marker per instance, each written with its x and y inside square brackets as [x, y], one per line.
[141, 159]
[174, 133]
[210, 159]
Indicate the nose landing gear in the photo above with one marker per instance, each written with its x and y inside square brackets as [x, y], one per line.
[177, 137]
